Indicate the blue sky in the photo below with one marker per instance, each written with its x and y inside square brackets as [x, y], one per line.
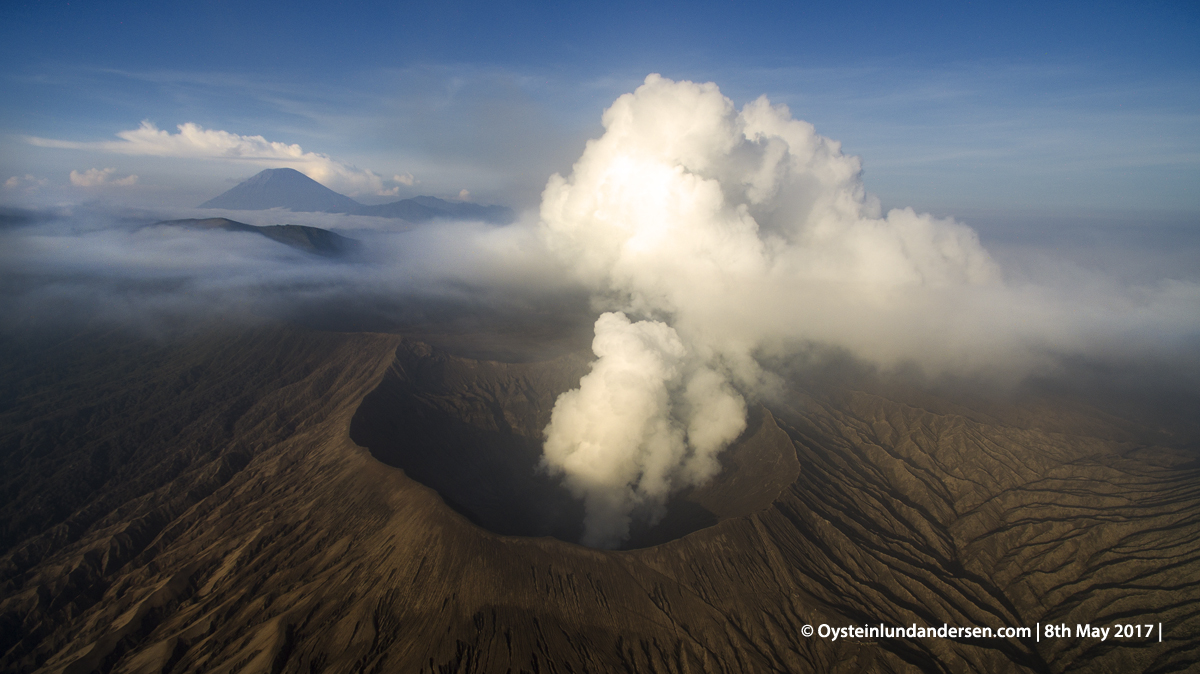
[1006, 115]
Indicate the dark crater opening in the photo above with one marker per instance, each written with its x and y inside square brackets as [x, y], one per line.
[472, 430]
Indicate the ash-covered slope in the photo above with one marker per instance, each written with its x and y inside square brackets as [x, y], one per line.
[237, 526]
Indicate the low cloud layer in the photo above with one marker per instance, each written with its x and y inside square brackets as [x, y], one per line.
[195, 142]
[715, 236]
[86, 265]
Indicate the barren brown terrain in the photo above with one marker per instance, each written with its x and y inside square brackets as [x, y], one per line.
[248, 501]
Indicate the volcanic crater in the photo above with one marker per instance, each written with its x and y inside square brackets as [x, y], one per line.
[472, 430]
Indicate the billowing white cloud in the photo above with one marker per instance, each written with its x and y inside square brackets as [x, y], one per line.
[730, 233]
[405, 179]
[195, 142]
[96, 177]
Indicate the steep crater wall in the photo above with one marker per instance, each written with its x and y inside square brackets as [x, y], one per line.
[472, 431]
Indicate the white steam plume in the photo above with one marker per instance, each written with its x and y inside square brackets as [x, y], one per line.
[620, 440]
[733, 232]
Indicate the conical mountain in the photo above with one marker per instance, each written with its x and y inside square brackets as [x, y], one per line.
[283, 188]
[291, 189]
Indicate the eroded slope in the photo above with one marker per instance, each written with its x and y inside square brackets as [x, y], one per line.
[312, 556]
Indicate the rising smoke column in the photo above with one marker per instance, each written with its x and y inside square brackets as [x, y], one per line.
[646, 420]
[721, 230]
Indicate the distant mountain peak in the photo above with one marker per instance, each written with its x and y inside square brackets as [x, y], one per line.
[282, 188]
[291, 189]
